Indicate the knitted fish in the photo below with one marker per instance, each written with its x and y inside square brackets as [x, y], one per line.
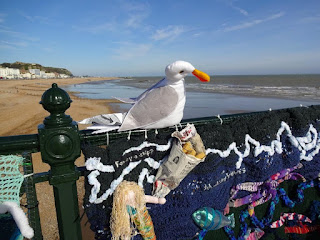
[209, 219]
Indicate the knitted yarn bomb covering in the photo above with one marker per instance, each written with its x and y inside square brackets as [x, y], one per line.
[247, 148]
[10, 178]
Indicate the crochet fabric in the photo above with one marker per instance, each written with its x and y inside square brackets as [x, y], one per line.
[243, 149]
[10, 178]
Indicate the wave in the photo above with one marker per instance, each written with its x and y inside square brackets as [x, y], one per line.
[294, 92]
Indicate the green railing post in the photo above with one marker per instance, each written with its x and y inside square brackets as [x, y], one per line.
[60, 147]
[32, 200]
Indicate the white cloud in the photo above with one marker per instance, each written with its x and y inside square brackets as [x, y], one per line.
[253, 22]
[14, 44]
[230, 4]
[275, 16]
[6, 46]
[128, 51]
[135, 20]
[136, 12]
[132, 17]
[241, 10]
[169, 33]
[18, 35]
[244, 12]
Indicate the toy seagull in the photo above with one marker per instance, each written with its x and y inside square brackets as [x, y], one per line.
[160, 106]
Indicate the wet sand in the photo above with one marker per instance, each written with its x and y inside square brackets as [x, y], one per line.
[21, 113]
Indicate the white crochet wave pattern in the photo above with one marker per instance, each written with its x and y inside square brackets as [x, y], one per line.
[308, 145]
[93, 164]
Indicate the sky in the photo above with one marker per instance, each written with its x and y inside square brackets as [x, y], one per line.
[139, 38]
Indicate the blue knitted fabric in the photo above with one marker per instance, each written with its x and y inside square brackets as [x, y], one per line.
[194, 193]
[210, 182]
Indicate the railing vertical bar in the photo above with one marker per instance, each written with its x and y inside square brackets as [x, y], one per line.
[32, 201]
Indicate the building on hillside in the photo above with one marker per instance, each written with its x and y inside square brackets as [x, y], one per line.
[43, 74]
[9, 73]
[3, 73]
[35, 72]
[26, 75]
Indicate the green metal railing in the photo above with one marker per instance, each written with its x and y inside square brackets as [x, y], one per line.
[59, 141]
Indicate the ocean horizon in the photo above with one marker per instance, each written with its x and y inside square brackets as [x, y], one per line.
[223, 95]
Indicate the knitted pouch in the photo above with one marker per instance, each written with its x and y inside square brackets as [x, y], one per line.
[174, 169]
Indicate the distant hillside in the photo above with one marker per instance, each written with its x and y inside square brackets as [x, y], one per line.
[26, 66]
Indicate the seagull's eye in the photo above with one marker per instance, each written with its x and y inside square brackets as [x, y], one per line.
[181, 71]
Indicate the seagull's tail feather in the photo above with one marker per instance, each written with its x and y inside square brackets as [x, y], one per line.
[104, 122]
[85, 121]
[112, 119]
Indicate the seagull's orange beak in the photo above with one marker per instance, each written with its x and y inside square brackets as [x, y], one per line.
[203, 77]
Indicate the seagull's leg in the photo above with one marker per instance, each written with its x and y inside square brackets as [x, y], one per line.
[129, 135]
[145, 134]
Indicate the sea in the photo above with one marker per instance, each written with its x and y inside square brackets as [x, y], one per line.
[223, 95]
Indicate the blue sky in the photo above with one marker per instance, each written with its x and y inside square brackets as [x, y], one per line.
[136, 38]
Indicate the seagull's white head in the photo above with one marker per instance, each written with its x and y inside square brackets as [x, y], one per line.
[180, 69]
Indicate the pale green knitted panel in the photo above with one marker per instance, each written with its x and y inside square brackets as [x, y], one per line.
[10, 178]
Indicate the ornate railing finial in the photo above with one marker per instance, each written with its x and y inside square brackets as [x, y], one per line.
[56, 101]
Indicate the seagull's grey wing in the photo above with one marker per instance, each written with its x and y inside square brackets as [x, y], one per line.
[156, 105]
[161, 83]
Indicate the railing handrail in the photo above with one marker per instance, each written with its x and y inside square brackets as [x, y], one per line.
[16, 144]
[19, 143]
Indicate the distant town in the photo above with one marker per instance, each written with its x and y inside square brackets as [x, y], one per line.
[19, 70]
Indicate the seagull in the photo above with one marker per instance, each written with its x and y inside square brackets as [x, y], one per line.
[160, 106]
